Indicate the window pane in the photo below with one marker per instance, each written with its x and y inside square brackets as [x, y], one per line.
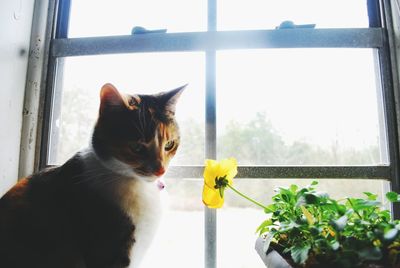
[239, 219]
[75, 112]
[118, 17]
[300, 107]
[179, 241]
[267, 14]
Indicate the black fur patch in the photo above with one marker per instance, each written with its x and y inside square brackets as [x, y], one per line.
[61, 223]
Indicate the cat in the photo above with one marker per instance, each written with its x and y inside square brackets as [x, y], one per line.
[101, 208]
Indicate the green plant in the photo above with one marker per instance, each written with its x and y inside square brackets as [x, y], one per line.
[313, 230]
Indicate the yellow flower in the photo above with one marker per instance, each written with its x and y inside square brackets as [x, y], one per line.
[217, 175]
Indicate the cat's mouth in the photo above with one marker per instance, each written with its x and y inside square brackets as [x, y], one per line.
[147, 176]
[151, 174]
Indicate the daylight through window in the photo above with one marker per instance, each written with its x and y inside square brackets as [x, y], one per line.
[291, 89]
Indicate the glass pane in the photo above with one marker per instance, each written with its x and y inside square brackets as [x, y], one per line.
[179, 241]
[239, 219]
[118, 17]
[267, 14]
[300, 107]
[77, 97]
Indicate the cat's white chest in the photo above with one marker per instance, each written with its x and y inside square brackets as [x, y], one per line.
[141, 200]
[143, 205]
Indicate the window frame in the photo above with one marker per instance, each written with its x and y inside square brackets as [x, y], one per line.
[378, 36]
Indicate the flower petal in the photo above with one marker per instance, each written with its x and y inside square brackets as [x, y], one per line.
[210, 172]
[211, 197]
[228, 167]
[213, 171]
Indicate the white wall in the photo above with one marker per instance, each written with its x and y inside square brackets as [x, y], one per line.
[15, 29]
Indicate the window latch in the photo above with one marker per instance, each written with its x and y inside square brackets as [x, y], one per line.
[142, 30]
[288, 24]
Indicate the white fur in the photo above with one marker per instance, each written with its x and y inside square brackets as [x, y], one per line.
[146, 218]
[138, 196]
[125, 170]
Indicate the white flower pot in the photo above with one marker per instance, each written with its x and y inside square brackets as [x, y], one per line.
[270, 257]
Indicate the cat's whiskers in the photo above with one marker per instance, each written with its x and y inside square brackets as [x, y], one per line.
[91, 172]
[100, 181]
[107, 181]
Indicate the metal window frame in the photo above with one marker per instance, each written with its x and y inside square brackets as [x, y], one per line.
[31, 131]
[210, 215]
[378, 36]
[391, 87]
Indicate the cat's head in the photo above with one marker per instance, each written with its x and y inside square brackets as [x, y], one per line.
[137, 135]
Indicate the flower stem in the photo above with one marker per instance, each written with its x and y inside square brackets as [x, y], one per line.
[249, 199]
[351, 204]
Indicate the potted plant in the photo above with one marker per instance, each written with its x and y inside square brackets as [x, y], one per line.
[307, 228]
[310, 229]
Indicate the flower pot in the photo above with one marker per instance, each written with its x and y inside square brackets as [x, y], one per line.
[273, 259]
[270, 257]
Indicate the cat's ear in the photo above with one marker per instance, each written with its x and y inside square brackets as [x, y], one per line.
[171, 98]
[110, 98]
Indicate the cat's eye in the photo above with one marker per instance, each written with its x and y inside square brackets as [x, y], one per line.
[169, 145]
[136, 147]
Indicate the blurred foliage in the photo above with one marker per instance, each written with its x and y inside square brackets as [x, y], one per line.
[77, 119]
[258, 143]
[252, 143]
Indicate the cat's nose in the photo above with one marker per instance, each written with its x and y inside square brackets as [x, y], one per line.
[160, 171]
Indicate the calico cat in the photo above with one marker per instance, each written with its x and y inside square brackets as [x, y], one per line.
[101, 208]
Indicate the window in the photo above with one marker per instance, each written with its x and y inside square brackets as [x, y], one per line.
[313, 99]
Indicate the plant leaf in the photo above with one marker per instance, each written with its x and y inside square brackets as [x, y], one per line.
[270, 209]
[308, 215]
[340, 223]
[359, 204]
[335, 244]
[385, 214]
[301, 201]
[300, 253]
[311, 198]
[293, 188]
[263, 225]
[371, 196]
[392, 196]
[391, 234]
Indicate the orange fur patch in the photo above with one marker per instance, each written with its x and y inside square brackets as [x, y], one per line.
[18, 190]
